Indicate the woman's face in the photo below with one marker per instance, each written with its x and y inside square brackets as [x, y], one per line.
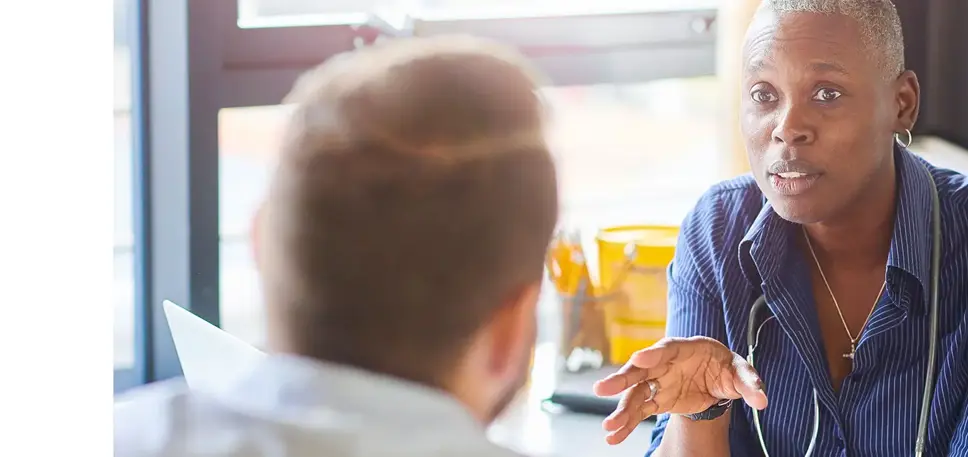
[818, 113]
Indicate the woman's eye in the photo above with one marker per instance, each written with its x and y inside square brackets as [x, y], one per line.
[827, 95]
[762, 96]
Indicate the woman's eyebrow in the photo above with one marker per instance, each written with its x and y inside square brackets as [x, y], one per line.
[828, 67]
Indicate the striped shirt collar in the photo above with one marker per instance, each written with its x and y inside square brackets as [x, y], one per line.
[765, 248]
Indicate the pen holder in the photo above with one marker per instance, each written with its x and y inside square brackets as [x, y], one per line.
[583, 342]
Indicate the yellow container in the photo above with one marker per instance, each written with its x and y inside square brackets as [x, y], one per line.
[626, 338]
[632, 266]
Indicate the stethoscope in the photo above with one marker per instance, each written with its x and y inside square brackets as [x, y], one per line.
[753, 335]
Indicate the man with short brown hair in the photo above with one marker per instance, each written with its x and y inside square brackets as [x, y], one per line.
[401, 251]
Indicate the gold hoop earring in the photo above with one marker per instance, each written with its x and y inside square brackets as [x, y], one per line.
[910, 139]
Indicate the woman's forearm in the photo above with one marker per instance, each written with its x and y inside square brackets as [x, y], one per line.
[685, 437]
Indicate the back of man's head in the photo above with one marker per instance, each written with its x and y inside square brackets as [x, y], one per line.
[415, 196]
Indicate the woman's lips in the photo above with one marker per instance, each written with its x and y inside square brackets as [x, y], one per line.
[792, 184]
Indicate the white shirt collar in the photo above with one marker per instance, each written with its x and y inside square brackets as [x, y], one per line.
[290, 384]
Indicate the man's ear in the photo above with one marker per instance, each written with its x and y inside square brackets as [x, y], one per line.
[908, 96]
[515, 326]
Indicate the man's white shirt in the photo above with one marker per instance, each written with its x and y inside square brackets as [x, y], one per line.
[293, 407]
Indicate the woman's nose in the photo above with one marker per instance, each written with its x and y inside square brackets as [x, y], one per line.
[793, 129]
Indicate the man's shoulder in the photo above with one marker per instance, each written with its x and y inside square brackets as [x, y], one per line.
[169, 420]
[155, 396]
[148, 419]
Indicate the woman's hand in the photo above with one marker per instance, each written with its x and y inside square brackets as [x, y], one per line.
[690, 375]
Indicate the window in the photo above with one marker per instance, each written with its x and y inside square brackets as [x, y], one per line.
[630, 85]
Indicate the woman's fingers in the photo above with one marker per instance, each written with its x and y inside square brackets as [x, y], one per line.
[629, 414]
[659, 354]
[748, 384]
[646, 364]
[616, 383]
[636, 406]
[627, 406]
[688, 376]
[618, 436]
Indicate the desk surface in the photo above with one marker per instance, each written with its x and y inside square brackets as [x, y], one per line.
[536, 432]
[537, 429]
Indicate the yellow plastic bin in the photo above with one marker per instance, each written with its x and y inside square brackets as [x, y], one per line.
[632, 266]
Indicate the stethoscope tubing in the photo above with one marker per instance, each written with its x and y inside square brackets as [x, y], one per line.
[752, 338]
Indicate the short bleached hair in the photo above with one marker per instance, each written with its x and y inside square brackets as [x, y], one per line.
[879, 23]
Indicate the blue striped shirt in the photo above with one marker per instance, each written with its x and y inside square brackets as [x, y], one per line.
[733, 247]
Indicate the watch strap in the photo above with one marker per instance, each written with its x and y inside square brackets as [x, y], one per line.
[712, 412]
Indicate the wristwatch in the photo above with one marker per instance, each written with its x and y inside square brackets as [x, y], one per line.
[712, 412]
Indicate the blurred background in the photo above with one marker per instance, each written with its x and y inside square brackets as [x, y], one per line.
[644, 101]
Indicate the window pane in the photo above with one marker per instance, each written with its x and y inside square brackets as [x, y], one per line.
[248, 141]
[636, 153]
[639, 153]
[123, 286]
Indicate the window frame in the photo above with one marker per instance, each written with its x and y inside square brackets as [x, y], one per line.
[260, 64]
